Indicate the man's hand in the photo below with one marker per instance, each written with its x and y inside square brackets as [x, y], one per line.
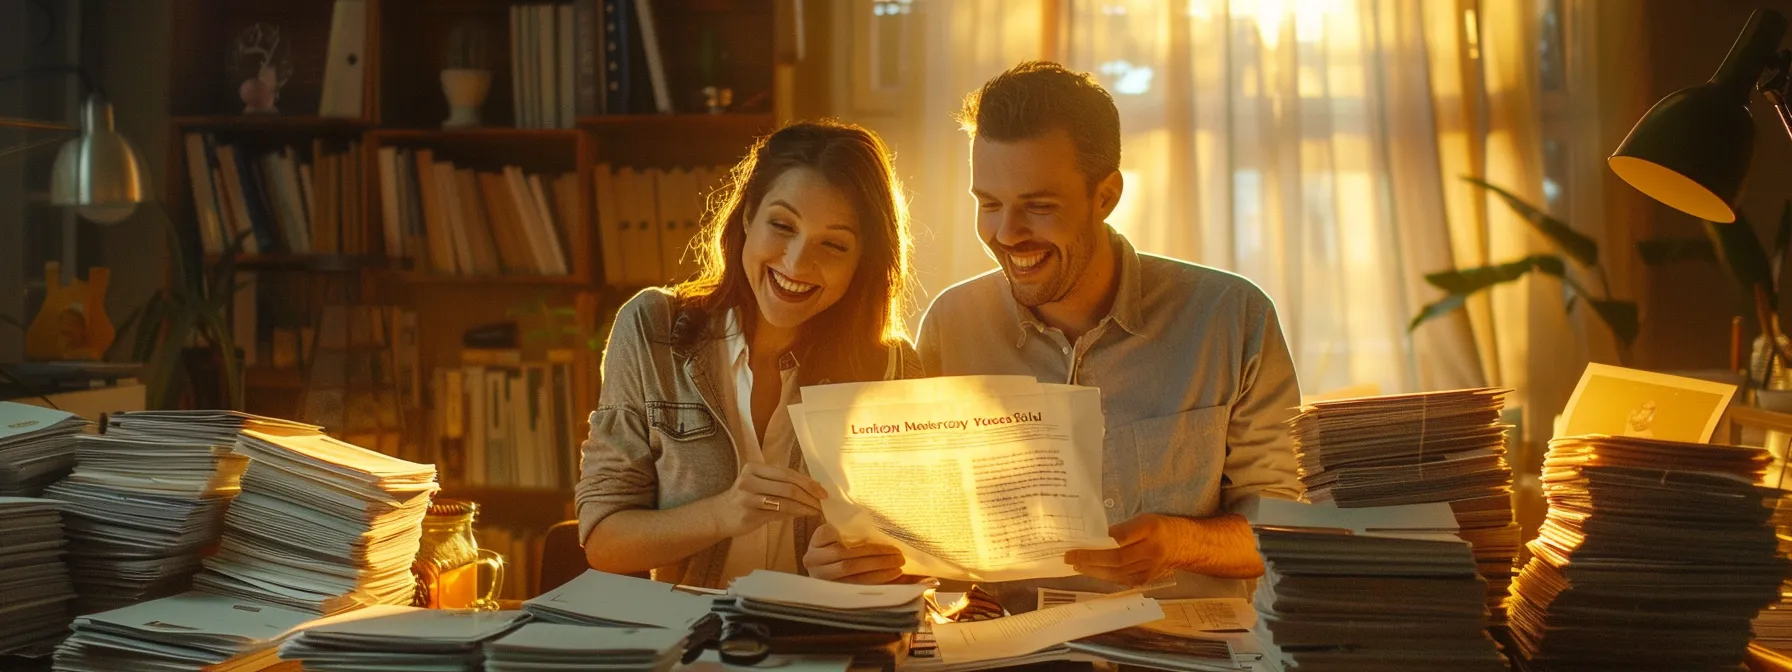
[1152, 546]
[830, 558]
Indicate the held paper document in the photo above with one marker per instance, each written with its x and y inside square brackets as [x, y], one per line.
[978, 478]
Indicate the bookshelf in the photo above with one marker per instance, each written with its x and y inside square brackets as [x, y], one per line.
[725, 43]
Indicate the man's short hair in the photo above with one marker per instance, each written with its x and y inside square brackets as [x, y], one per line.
[1037, 97]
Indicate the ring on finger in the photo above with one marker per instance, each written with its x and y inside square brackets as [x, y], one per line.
[769, 504]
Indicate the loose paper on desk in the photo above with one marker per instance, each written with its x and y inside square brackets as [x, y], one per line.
[1022, 634]
[1194, 617]
[978, 478]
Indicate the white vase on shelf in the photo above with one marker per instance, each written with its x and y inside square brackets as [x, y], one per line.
[465, 89]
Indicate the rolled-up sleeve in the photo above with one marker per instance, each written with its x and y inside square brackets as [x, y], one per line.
[617, 462]
[1260, 459]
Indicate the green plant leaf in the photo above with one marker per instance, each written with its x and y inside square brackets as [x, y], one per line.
[218, 332]
[1577, 246]
[1432, 311]
[1471, 280]
[1663, 251]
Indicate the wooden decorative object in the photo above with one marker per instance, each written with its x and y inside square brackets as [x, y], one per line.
[72, 324]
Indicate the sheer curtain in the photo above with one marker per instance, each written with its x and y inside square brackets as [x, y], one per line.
[1315, 147]
[1292, 142]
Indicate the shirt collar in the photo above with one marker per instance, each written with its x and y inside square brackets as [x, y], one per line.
[1128, 299]
[735, 344]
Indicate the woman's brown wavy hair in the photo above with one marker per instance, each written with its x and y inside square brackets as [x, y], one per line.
[849, 341]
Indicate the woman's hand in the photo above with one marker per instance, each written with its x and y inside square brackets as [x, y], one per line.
[830, 558]
[762, 493]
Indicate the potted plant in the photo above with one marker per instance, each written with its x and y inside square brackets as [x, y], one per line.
[468, 77]
[183, 332]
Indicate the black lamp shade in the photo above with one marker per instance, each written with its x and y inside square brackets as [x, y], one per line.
[1690, 151]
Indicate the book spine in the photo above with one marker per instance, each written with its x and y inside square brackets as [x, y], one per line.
[547, 80]
[389, 217]
[586, 27]
[205, 204]
[616, 56]
[656, 67]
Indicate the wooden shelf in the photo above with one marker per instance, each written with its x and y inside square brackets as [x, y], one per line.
[427, 278]
[271, 122]
[737, 123]
[482, 133]
[308, 263]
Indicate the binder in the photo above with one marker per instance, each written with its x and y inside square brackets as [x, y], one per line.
[671, 194]
[609, 233]
[345, 69]
[636, 193]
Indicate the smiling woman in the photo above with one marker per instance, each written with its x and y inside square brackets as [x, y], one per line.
[692, 470]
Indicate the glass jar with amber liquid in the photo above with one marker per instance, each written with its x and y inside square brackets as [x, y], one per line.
[449, 560]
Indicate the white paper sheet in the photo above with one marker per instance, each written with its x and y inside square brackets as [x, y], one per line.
[980, 478]
[1194, 617]
[1025, 633]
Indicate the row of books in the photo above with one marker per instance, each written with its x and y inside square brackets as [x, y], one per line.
[505, 422]
[284, 200]
[647, 219]
[585, 58]
[458, 221]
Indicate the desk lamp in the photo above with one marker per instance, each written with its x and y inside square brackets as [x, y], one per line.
[98, 171]
[1691, 150]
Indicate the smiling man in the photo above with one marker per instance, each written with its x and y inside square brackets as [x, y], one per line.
[1196, 379]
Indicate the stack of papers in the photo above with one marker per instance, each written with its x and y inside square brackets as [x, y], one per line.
[976, 478]
[1415, 449]
[36, 447]
[34, 584]
[206, 426]
[776, 596]
[320, 525]
[612, 600]
[189, 631]
[553, 646]
[1655, 554]
[400, 638]
[1386, 588]
[1773, 626]
[139, 513]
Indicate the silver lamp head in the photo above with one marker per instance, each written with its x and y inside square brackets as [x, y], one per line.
[99, 172]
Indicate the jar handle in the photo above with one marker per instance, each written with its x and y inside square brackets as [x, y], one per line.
[495, 561]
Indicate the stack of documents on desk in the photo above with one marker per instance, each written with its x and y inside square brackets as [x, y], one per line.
[37, 446]
[539, 647]
[1385, 588]
[1655, 554]
[776, 596]
[400, 638]
[978, 478]
[1419, 448]
[612, 600]
[206, 426]
[34, 584]
[189, 631]
[139, 513]
[1195, 635]
[320, 525]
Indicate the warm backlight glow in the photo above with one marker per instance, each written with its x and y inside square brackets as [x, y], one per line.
[1673, 189]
